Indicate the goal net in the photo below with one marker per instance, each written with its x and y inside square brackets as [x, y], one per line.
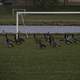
[44, 22]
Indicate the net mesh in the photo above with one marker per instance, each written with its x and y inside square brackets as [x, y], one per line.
[70, 19]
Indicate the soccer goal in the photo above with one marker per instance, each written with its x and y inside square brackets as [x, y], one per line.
[44, 22]
[14, 10]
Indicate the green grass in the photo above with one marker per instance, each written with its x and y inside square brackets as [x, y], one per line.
[27, 62]
[41, 19]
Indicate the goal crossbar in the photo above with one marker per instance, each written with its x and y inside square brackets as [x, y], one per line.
[37, 13]
[48, 12]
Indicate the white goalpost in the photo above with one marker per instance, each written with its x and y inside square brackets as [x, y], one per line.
[37, 13]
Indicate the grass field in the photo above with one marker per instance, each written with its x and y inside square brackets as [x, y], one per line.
[41, 19]
[27, 62]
